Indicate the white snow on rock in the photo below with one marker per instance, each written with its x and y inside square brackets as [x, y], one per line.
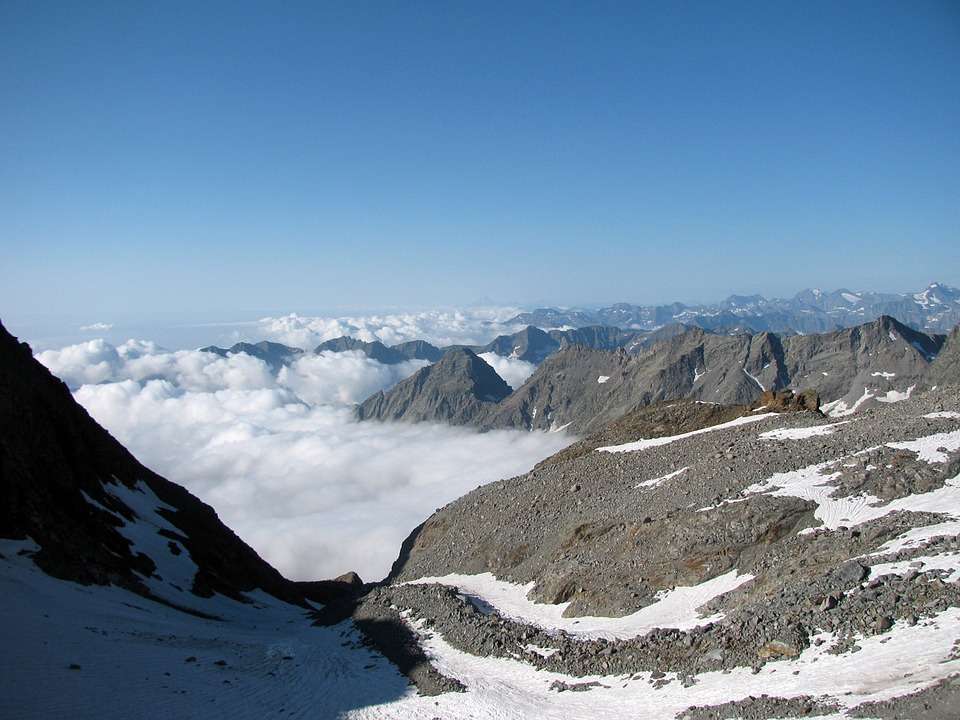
[814, 483]
[893, 396]
[674, 609]
[541, 651]
[602, 379]
[946, 414]
[886, 375]
[656, 442]
[949, 562]
[759, 384]
[838, 408]
[932, 448]
[656, 481]
[918, 537]
[801, 433]
[851, 298]
[890, 665]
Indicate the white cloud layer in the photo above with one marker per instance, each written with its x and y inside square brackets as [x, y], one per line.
[97, 327]
[440, 327]
[514, 371]
[280, 457]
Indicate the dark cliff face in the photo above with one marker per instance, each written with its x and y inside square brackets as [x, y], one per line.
[459, 389]
[55, 459]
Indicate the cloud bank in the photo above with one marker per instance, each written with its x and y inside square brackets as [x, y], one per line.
[280, 457]
[446, 327]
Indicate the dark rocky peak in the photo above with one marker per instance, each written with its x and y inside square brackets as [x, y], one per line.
[273, 354]
[375, 350]
[530, 344]
[462, 364]
[418, 350]
[459, 389]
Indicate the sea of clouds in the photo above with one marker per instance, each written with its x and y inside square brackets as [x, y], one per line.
[279, 456]
[476, 326]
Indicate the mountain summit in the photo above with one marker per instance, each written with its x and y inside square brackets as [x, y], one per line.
[457, 389]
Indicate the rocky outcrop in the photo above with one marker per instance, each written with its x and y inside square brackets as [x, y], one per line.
[459, 389]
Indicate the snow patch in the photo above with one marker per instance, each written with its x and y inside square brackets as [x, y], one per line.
[657, 481]
[602, 379]
[932, 448]
[801, 433]
[644, 444]
[759, 384]
[675, 608]
[893, 396]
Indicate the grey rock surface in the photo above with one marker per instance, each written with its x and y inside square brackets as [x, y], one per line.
[456, 389]
[273, 354]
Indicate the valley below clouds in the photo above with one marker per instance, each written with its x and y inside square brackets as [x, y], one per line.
[279, 455]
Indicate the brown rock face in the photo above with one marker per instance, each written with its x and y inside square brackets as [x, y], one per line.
[788, 401]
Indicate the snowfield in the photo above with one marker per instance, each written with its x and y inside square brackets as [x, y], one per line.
[674, 609]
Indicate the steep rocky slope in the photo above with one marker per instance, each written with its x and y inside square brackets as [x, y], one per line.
[456, 389]
[79, 495]
[945, 368]
[809, 560]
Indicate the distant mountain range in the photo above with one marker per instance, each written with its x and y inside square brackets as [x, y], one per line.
[530, 345]
[934, 309]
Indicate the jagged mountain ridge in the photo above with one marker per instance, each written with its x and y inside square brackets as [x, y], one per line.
[530, 345]
[934, 309]
[583, 389]
[275, 355]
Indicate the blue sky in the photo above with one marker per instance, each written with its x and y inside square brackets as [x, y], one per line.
[222, 159]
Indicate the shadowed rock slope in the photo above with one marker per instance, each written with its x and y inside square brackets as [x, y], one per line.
[62, 482]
